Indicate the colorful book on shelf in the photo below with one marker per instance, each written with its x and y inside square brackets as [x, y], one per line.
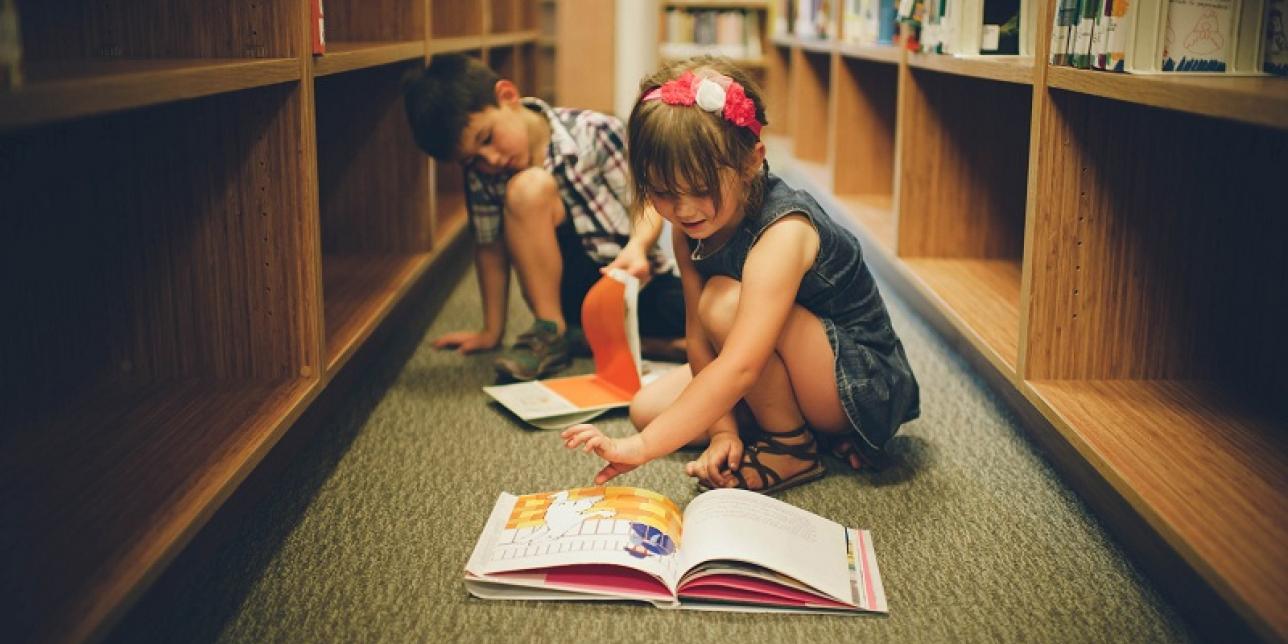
[317, 20]
[608, 317]
[1080, 49]
[869, 22]
[10, 46]
[1065, 22]
[730, 550]
[1114, 20]
[1196, 36]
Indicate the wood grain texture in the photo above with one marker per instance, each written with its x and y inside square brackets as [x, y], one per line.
[347, 56]
[585, 52]
[74, 29]
[502, 16]
[1254, 100]
[449, 198]
[374, 20]
[963, 166]
[875, 215]
[138, 471]
[809, 82]
[777, 91]
[863, 126]
[1163, 264]
[57, 91]
[359, 291]
[889, 54]
[509, 38]
[454, 18]
[983, 298]
[998, 68]
[1207, 471]
[189, 265]
[373, 181]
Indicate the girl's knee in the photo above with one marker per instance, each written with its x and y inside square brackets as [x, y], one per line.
[718, 305]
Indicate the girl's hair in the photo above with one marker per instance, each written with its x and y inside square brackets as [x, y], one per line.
[673, 144]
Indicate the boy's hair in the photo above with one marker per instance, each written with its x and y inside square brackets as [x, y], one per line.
[441, 99]
[669, 144]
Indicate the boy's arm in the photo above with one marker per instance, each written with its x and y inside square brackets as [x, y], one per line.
[492, 266]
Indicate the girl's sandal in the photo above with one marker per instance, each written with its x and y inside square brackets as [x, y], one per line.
[842, 447]
[767, 443]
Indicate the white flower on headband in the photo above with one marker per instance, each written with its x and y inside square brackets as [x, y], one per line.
[710, 96]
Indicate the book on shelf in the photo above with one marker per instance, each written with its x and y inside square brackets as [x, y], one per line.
[1080, 50]
[608, 317]
[1065, 22]
[317, 21]
[733, 33]
[1171, 36]
[813, 19]
[730, 550]
[1276, 42]
[10, 46]
[869, 22]
[976, 27]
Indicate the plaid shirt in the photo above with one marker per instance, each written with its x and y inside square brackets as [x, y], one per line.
[587, 156]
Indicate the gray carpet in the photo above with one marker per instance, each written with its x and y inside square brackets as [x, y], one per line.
[363, 535]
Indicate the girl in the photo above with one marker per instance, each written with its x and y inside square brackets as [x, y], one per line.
[783, 314]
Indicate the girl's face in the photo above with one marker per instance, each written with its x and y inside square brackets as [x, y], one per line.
[695, 213]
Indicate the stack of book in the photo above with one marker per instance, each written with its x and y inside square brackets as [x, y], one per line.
[731, 33]
[970, 27]
[1241, 37]
[869, 22]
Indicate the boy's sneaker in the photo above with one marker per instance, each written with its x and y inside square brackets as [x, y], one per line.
[540, 351]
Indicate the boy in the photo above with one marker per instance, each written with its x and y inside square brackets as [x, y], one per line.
[547, 191]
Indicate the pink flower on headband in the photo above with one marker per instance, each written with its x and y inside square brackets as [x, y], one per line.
[680, 91]
[720, 95]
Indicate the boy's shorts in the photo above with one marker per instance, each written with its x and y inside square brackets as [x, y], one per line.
[661, 301]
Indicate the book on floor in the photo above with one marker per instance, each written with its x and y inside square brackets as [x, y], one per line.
[608, 317]
[730, 550]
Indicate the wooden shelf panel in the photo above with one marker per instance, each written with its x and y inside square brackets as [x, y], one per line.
[1205, 470]
[782, 40]
[358, 291]
[1255, 100]
[455, 45]
[816, 45]
[1008, 69]
[744, 63]
[510, 39]
[116, 485]
[70, 89]
[876, 53]
[875, 215]
[350, 56]
[981, 297]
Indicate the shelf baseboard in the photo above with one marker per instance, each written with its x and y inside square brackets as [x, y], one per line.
[349, 56]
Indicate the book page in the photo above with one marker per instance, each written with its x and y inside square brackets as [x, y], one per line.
[620, 526]
[750, 527]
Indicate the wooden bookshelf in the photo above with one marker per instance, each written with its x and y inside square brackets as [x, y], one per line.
[1009, 69]
[67, 89]
[1255, 100]
[889, 54]
[1107, 250]
[233, 219]
[344, 56]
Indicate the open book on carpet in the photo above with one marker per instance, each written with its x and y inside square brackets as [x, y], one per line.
[730, 550]
[608, 317]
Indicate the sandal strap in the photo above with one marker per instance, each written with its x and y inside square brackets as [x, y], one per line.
[773, 444]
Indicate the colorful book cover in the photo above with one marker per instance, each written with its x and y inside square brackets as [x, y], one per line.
[1276, 52]
[1080, 48]
[1066, 17]
[609, 319]
[1118, 29]
[1199, 35]
[318, 22]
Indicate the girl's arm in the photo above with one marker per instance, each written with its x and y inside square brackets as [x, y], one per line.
[771, 277]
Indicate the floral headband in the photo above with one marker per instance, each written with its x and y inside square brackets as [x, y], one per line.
[717, 94]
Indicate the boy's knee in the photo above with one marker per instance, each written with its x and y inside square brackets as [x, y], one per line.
[531, 190]
[718, 305]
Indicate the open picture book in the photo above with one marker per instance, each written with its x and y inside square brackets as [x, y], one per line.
[608, 317]
[730, 550]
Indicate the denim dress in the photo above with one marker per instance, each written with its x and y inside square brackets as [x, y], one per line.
[875, 382]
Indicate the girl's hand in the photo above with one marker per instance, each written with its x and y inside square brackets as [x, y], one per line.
[722, 456]
[622, 454]
[632, 260]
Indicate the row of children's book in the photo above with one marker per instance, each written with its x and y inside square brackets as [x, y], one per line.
[734, 33]
[1153, 36]
[960, 27]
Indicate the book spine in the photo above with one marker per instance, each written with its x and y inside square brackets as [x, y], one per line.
[1118, 18]
[1080, 49]
[1276, 43]
[10, 46]
[1100, 35]
[1066, 16]
[1198, 36]
[1249, 42]
[319, 27]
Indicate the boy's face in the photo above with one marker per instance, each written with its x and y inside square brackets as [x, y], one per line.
[496, 140]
